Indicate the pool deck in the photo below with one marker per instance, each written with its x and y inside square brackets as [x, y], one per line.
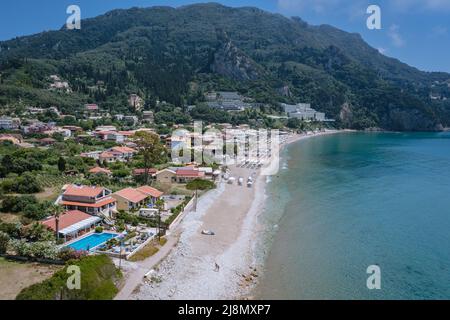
[67, 244]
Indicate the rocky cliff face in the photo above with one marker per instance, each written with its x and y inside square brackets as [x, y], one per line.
[231, 62]
[395, 119]
[412, 120]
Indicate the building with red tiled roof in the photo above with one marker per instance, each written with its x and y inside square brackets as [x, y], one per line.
[99, 170]
[91, 107]
[130, 199]
[132, 195]
[89, 199]
[141, 172]
[72, 224]
[109, 156]
[127, 133]
[47, 141]
[166, 176]
[154, 193]
[117, 154]
[186, 175]
[126, 151]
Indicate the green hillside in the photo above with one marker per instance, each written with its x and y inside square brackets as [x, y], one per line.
[176, 55]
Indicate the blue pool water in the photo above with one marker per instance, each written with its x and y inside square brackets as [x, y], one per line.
[92, 241]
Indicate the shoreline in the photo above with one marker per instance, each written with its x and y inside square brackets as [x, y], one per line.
[189, 271]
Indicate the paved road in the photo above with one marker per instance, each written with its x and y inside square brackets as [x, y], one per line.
[136, 277]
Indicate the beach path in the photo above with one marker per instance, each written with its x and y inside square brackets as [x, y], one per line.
[136, 277]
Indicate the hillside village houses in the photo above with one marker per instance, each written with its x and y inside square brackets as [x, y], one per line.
[99, 170]
[91, 108]
[8, 123]
[111, 155]
[129, 120]
[35, 110]
[183, 174]
[66, 133]
[148, 116]
[36, 126]
[228, 101]
[58, 84]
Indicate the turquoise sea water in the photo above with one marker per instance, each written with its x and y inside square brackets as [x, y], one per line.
[342, 203]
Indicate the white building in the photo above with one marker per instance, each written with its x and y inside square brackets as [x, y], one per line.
[303, 111]
[148, 116]
[8, 123]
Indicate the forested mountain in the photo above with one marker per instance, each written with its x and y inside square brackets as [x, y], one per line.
[177, 54]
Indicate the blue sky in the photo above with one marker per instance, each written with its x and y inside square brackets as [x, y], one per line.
[415, 31]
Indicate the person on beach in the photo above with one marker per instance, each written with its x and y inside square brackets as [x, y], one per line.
[217, 269]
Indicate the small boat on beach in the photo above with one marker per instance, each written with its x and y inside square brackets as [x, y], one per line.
[208, 233]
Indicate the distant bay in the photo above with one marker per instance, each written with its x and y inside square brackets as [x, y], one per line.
[344, 202]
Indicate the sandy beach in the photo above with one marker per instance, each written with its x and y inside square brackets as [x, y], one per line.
[221, 266]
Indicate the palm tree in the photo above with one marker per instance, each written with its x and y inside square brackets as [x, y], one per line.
[160, 206]
[56, 212]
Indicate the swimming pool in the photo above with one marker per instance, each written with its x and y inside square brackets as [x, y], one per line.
[92, 241]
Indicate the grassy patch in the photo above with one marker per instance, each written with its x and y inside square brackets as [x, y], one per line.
[149, 250]
[49, 194]
[3, 261]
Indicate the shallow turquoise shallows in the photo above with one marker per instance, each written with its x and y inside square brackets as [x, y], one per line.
[345, 202]
[92, 241]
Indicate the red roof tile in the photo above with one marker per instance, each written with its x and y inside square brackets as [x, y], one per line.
[91, 107]
[126, 133]
[123, 149]
[107, 154]
[100, 170]
[83, 191]
[155, 193]
[190, 173]
[131, 195]
[137, 172]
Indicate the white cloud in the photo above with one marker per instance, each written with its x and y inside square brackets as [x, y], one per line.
[396, 38]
